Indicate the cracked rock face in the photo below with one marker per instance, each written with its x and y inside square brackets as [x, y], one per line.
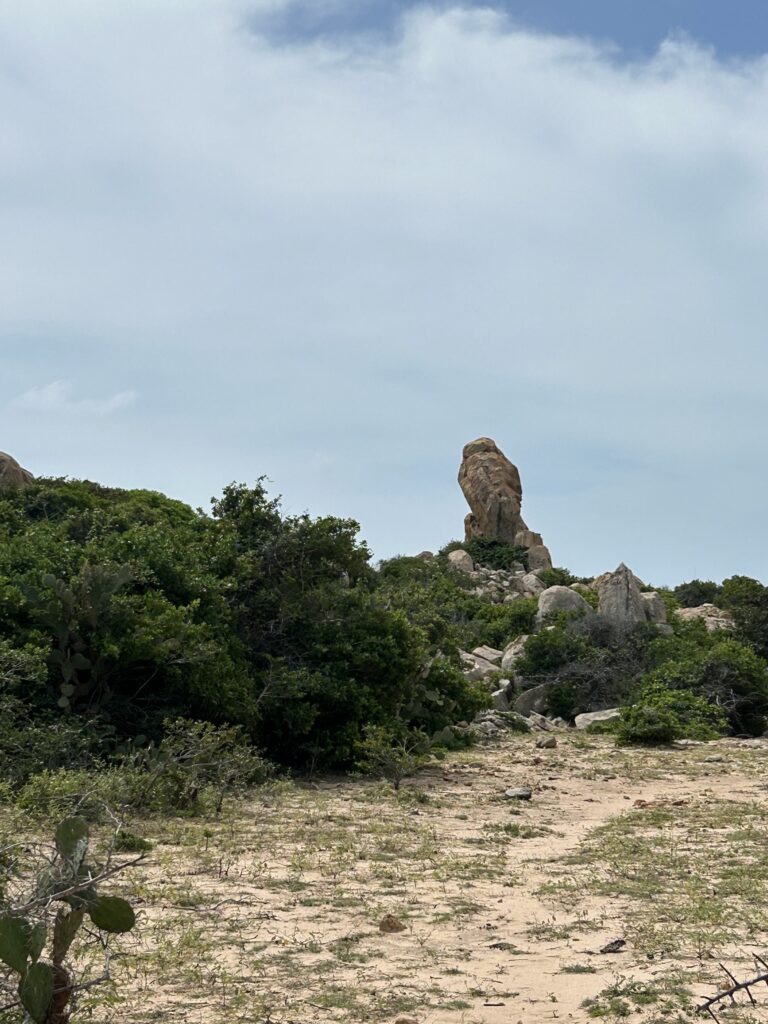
[12, 474]
[494, 493]
[491, 485]
[620, 599]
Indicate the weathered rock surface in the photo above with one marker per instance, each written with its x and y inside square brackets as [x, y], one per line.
[12, 474]
[488, 654]
[714, 618]
[589, 718]
[527, 539]
[539, 558]
[513, 652]
[561, 599]
[491, 484]
[519, 793]
[461, 560]
[655, 609]
[531, 584]
[500, 700]
[476, 669]
[533, 700]
[546, 742]
[619, 597]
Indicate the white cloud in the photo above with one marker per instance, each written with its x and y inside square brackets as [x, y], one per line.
[381, 251]
[57, 397]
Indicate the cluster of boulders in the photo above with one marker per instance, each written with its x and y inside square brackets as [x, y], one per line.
[491, 484]
[12, 474]
[499, 586]
[617, 597]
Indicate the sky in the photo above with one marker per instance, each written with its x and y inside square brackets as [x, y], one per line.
[331, 242]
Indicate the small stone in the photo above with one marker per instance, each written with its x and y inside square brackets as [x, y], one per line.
[391, 924]
[614, 946]
[519, 793]
[546, 742]
[714, 759]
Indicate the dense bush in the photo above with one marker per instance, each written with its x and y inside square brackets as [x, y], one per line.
[492, 554]
[697, 592]
[728, 675]
[121, 609]
[660, 715]
[441, 604]
[747, 600]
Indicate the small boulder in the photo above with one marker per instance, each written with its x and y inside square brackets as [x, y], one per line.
[546, 742]
[561, 599]
[389, 924]
[425, 556]
[461, 560]
[589, 718]
[488, 654]
[534, 699]
[531, 585]
[519, 793]
[500, 700]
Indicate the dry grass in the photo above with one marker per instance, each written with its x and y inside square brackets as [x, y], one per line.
[273, 912]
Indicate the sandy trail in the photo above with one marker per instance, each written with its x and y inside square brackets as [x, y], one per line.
[311, 874]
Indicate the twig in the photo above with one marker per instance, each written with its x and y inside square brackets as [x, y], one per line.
[729, 993]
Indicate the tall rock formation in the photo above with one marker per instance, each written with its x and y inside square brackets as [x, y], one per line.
[12, 474]
[491, 485]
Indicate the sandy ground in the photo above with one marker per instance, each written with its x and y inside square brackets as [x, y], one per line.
[275, 912]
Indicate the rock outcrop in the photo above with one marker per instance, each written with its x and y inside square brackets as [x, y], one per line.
[12, 474]
[491, 485]
[619, 597]
[714, 618]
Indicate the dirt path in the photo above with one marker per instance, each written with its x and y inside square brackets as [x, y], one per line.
[274, 914]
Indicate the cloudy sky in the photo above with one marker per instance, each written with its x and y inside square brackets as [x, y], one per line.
[330, 242]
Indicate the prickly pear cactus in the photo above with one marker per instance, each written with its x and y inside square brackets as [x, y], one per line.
[67, 891]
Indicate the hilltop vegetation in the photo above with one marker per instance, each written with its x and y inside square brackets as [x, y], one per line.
[157, 661]
[122, 611]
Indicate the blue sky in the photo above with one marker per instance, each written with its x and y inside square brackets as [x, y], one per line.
[635, 27]
[237, 243]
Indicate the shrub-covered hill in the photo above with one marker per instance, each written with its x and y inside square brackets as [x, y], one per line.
[121, 611]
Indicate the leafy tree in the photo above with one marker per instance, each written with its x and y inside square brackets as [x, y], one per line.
[697, 592]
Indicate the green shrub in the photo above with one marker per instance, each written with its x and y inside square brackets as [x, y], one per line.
[191, 771]
[660, 715]
[557, 577]
[564, 700]
[552, 649]
[726, 673]
[492, 554]
[697, 592]
[391, 754]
